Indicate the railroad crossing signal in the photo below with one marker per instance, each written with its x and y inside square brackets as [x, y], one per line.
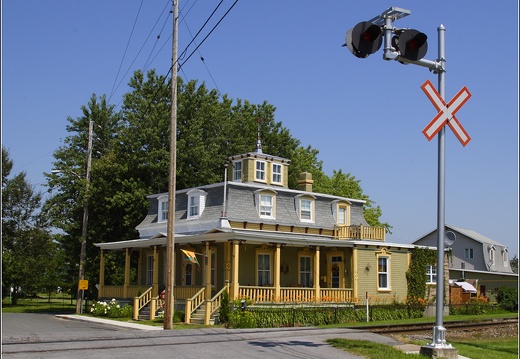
[364, 39]
[446, 113]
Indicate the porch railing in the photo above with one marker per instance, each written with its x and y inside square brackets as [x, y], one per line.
[193, 303]
[141, 301]
[295, 295]
[116, 291]
[359, 232]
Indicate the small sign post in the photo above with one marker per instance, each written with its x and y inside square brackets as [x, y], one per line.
[82, 285]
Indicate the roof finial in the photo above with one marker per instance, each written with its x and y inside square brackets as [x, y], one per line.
[258, 142]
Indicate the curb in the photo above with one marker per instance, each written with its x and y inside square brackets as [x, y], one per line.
[109, 322]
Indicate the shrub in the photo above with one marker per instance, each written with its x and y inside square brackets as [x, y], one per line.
[224, 308]
[111, 310]
[507, 298]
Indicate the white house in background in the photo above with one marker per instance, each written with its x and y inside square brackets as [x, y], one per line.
[477, 258]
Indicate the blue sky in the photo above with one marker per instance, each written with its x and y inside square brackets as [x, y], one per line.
[365, 116]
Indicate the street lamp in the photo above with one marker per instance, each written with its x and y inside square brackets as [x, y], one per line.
[83, 240]
[409, 46]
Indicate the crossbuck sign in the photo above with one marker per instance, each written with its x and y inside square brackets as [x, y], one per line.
[446, 113]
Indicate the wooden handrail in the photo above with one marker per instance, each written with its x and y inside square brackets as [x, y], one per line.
[193, 303]
[217, 300]
[141, 301]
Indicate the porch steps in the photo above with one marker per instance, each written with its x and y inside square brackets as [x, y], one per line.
[197, 317]
[144, 313]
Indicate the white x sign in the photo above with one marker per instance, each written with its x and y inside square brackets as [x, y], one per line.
[446, 113]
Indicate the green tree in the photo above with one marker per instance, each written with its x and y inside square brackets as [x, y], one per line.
[28, 252]
[131, 159]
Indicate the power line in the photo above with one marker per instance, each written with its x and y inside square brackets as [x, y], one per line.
[214, 27]
[126, 49]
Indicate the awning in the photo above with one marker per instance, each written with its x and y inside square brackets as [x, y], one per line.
[466, 286]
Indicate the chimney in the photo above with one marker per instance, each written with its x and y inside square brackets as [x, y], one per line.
[305, 182]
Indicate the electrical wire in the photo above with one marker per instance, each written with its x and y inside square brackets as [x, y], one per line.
[205, 38]
[126, 49]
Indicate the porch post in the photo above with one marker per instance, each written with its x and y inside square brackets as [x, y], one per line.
[234, 270]
[317, 295]
[207, 260]
[139, 267]
[227, 263]
[354, 274]
[127, 272]
[277, 273]
[155, 280]
[101, 274]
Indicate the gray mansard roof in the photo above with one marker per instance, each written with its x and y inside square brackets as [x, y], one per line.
[241, 206]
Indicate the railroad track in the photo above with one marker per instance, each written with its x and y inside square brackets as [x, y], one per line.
[421, 327]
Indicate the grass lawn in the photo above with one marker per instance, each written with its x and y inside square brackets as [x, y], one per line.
[43, 303]
[504, 348]
[371, 350]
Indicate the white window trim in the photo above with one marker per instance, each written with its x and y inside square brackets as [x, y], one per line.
[312, 201]
[505, 257]
[258, 199]
[468, 253]
[492, 251]
[199, 195]
[261, 171]
[160, 211]
[387, 273]
[277, 174]
[431, 271]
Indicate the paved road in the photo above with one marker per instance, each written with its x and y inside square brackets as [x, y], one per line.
[46, 336]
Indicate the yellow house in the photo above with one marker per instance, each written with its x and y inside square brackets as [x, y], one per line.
[258, 239]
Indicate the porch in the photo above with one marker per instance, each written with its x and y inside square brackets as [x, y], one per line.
[195, 298]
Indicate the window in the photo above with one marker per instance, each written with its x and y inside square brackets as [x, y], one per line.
[342, 216]
[149, 270]
[196, 203]
[306, 210]
[163, 209]
[260, 170]
[277, 173]
[505, 257]
[431, 275]
[237, 171]
[193, 206]
[188, 274]
[336, 271]
[492, 254]
[468, 253]
[264, 269]
[306, 271]
[266, 206]
[382, 273]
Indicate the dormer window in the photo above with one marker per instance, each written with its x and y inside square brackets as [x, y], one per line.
[266, 203]
[260, 171]
[277, 173]
[196, 203]
[342, 216]
[237, 171]
[492, 254]
[305, 208]
[162, 215]
[505, 257]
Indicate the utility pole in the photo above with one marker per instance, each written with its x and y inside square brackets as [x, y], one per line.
[170, 280]
[83, 250]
